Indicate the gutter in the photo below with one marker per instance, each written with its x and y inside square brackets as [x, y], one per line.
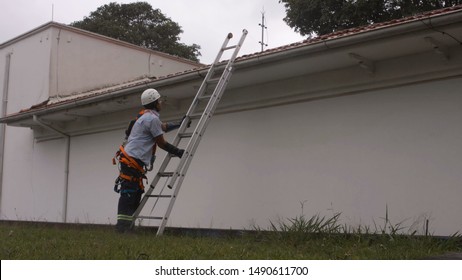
[66, 161]
[270, 56]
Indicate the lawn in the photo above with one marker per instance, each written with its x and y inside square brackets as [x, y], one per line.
[297, 239]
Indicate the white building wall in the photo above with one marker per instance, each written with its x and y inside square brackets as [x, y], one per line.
[81, 63]
[92, 176]
[29, 71]
[28, 85]
[397, 148]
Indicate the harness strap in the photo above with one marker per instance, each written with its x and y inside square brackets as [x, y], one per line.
[124, 158]
[131, 161]
[122, 177]
[130, 178]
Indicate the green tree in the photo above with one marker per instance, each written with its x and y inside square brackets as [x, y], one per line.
[318, 17]
[138, 23]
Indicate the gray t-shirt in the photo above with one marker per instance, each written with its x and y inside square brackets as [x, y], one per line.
[141, 139]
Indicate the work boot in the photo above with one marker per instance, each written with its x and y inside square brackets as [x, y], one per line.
[123, 226]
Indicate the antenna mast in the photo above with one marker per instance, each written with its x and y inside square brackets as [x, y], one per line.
[263, 27]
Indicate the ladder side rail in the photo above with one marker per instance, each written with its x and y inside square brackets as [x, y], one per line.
[193, 106]
[197, 131]
[216, 96]
[219, 89]
[222, 49]
[209, 74]
[201, 91]
[152, 185]
[196, 134]
[145, 198]
[238, 46]
[181, 172]
[176, 141]
[206, 80]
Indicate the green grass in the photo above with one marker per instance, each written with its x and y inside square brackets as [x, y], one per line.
[299, 238]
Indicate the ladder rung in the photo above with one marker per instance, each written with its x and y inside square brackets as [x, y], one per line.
[213, 81]
[150, 217]
[195, 116]
[160, 195]
[230, 47]
[198, 115]
[203, 97]
[165, 174]
[185, 135]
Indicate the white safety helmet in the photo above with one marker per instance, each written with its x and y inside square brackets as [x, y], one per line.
[148, 96]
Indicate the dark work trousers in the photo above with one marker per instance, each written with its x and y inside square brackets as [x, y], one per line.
[130, 197]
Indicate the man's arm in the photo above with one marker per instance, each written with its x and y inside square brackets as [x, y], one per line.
[169, 148]
[169, 126]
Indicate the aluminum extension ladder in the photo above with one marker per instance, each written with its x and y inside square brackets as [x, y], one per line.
[174, 178]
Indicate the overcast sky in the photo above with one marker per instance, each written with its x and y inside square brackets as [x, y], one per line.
[204, 22]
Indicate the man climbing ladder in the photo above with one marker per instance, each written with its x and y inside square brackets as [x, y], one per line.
[210, 91]
[138, 153]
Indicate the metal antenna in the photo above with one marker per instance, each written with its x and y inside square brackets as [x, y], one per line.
[263, 27]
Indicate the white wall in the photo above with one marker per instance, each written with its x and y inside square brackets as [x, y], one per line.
[29, 71]
[28, 85]
[81, 63]
[397, 147]
[92, 176]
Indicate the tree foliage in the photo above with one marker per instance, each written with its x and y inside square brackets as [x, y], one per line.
[138, 23]
[318, 17]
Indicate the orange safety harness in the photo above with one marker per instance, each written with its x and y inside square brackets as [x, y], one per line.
[122, 157]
